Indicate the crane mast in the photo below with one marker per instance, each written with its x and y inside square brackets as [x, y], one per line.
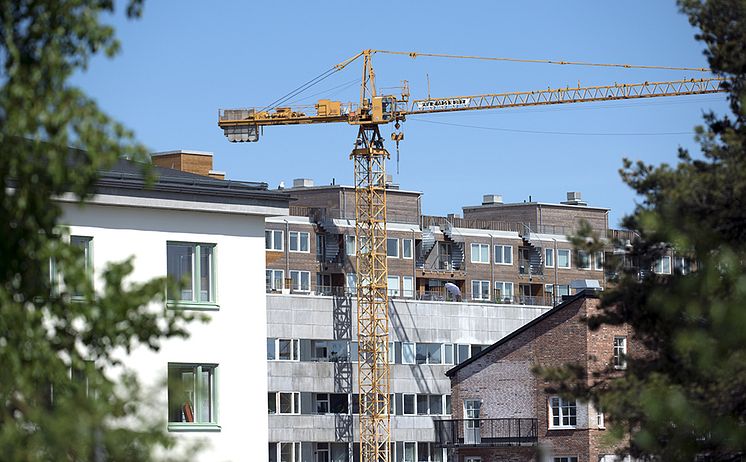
[369, 159]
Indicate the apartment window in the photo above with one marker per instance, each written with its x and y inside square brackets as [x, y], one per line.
[562, 290]
[480, 253]
[273, 239]
[584, 260]
[320, 245]
[407, 353]
[563, 258]
[683, 265]
[620, 353]
[448, 353]
[505, 290]
[600, 423]
[272, 403]
[462, 353]
[275, 280]
[392, 247]
[598, 261]
[191, 395]
[562, 413]
[410, 451]
[191, 265]
[286, 349]
[271, 350]
[504, 254]
[406, 248]
[330, 350]
[288, 402]
[350, 247]
[301, 280]
[287, 452]
[407, 286]
[354, 355]
[428, 353]
[549, 258]
[436, 404]
[566, 459]
[449, 411]
[663, 265]
[351, 281]
[422, 404]
[480, 290]
[408, 404]
[393, 286]
[392, 352]
[84, 244]
[322, 452]
[334, 403]
[300, 241]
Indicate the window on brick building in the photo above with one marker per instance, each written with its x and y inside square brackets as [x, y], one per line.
[563, 258]
[663, 265]
[392, 247]
[480, 253]
[584, 260]
[299, 241]
[562, 413]
[565, 459]
[620, 353]
[504, 254]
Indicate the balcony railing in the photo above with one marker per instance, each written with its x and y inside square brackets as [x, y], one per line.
[454, 433]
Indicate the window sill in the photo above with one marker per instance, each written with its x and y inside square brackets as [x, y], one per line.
[567, 427]
[177, 305]
[503, 264]
[193, 427]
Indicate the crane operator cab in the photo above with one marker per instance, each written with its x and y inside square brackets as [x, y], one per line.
[383, 109]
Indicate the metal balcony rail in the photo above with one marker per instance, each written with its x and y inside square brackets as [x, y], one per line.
[443, 222]
[455, 433]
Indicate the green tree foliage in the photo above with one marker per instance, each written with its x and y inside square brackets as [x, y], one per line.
[54, 140]
[683, 395]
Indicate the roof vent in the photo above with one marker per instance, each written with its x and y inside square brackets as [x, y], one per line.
[574, 198]
[489, 199]
[302, 183]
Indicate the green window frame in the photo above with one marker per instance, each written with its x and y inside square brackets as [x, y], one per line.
[192, 397]
[185, 262]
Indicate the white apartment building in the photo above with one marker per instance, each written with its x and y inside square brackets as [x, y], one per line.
[209, 232]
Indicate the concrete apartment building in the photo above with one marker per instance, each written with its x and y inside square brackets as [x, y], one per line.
[518, 420]
[505, 259]
[209, 232]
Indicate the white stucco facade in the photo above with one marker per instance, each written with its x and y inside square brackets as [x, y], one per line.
[234, 339]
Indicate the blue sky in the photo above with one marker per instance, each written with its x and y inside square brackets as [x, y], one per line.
[184, 60]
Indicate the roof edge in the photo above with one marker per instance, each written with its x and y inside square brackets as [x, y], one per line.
[580, 295]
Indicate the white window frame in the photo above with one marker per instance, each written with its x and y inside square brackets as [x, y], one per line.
[296, 451]
[619, 357]
[481, 284]
[503, 248]
[271, 273]
[407, 292]
[393, 291]
[445, 354]
[598, 261]
[197, 272]
[414, 453]
[198, 389]
[294, 349]
[481, 257]
[392, 352]
[300, 236]
[387, 247]
[413, 352]
[404, 249]
[562, 407]
[658, 267]
[350, 245]
[319, 400]
[583, 254]
[502, 285]
[295, 406]
[569, 258]
[270, 240]
[299, 274]
[549, 258]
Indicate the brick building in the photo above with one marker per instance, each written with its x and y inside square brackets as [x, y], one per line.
[501, 410]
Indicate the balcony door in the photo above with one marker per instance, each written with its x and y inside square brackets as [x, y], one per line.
[472, 433]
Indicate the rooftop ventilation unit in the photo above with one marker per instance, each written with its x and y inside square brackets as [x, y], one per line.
[574, 198]
[302, 183]
[489, 199]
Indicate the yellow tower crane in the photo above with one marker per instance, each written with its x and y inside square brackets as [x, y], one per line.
[369, 159]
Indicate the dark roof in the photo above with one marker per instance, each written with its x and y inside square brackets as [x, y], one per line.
[126, 178]
[582, 294]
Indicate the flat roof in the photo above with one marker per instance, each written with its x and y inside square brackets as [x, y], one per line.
[528, 204]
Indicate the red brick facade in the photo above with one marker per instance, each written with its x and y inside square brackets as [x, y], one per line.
[502, 378]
